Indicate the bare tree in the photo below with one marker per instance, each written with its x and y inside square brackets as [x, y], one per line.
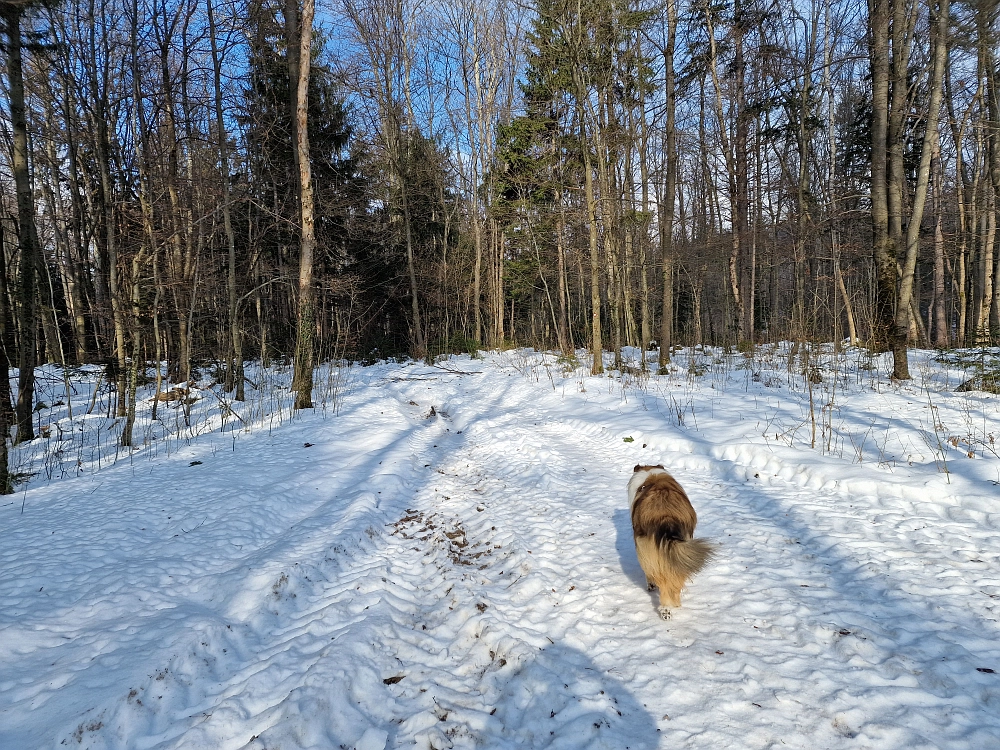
[305, 346]
[12, 14]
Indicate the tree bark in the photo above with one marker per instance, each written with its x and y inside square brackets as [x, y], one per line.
[666, 209]
[940, 334]
[596, 344]
[735, 173]
[6, 414]
[991, 248]
[883, 244]
[939, 41]
[27, 233]
[305, 346]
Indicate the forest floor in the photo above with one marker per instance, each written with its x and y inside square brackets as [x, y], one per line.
[442, 557]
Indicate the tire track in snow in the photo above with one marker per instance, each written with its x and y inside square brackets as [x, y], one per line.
[271, 647]
[475, 575]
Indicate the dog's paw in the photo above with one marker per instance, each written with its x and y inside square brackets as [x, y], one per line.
[650, 586]
[664, 613]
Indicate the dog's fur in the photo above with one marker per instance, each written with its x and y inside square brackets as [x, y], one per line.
[663, 524]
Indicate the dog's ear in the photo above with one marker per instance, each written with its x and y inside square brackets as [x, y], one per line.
[638, 467]
[659, 466]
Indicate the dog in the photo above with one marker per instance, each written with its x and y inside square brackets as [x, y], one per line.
[663, 522]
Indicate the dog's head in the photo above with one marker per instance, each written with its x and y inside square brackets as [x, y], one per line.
[640, 467]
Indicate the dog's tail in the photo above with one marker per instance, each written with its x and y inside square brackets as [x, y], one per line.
[686, 556]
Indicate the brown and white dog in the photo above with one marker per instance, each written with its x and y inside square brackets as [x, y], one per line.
[663, 524]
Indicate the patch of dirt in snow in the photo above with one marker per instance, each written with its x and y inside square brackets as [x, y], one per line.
[434, 530]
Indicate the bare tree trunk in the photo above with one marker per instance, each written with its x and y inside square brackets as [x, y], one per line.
[666, 209]
[132, 379]
[420, 346]
[733, 170]
[174, 249]
[304, 349]
[496, 282]
[52, 190]
[991, 248]
[803, 219]
[697, 291]
[596, 345]
[138, 123]
[901, 35]
[562, 327]
[939, 319]
[608, 213]
[234, 373]
[6, 414]
[939, 41]
[108, 254]
[27, 234]
[477, 284]
[959, 281]
[75, 273]
[987, 271]
[741, 183]
[157, 334]
[883, 244]
[852, 330]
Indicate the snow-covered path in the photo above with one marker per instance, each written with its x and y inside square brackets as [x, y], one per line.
[468, 579]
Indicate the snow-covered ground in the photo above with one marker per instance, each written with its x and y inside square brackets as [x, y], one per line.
[442, 557]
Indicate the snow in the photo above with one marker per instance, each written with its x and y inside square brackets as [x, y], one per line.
[371, 575]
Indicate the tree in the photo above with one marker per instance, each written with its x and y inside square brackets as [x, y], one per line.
[305, 344]
[12, 12]
[666, 212]
[892, 27]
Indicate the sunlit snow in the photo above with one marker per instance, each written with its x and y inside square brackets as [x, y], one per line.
[441, 556]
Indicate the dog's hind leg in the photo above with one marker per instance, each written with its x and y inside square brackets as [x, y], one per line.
[669, 599]
[667, 603]
[670, 593]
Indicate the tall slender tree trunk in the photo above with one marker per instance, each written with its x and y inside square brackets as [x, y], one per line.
[562, 327]
[76, 273]
[939, 318]
[499, 292]
[642, 234]
[741, 164]
[991, 249]
[901, 35]
[305, 345]
[734, 171]
[420, 346]
[666, 209]
[803, 218]
[939, 42]
[109, 278]
[883, 244]
[138, 122]
[959, 282]
[6, 415]
[27, 234]
[596, 343]
[477, 282]
[852, 331]
[234, 373]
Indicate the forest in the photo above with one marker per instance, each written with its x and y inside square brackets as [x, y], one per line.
[194, 183]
